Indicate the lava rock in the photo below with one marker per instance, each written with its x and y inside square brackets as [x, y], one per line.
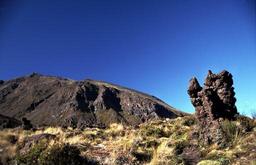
[213, 103]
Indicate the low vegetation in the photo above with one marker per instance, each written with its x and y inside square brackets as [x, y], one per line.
[159, 142]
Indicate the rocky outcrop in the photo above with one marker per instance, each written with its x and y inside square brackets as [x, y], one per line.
[55, 101]
[213, 103]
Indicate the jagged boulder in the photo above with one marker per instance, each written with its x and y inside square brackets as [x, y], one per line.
[213, 103]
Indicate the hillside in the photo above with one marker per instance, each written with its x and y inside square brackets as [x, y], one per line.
[96, 123]
[55, 101]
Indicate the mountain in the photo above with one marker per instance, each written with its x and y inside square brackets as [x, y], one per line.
[55, 101]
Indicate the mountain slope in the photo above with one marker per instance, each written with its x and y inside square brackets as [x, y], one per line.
[55, 101]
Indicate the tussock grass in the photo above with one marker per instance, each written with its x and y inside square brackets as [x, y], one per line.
[154, 143]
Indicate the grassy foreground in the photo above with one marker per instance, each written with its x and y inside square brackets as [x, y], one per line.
[161, 142]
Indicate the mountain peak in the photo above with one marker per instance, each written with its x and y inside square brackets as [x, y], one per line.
[56, 101]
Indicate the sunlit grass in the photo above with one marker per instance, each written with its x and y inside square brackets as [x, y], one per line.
[154, 143]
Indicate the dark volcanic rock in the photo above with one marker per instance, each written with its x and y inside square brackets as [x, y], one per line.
[8, 122]
[26, 124]
[214, 102]
[54, 101]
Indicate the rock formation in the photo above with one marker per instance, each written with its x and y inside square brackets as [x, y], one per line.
[214, 102]
[55, 101]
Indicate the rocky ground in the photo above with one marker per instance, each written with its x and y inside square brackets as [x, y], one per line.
[159, 142]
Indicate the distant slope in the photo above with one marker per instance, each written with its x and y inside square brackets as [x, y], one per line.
[55, 101]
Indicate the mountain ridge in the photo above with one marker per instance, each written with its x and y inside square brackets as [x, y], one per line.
[83, 103]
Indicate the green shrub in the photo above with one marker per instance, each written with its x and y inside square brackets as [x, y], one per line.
[231, 132]
[173, 160]
[220, 158]
[179, 134]
[153, 131]
[179, 147]
[31, 157]
[63, 154]
[57, 154]
[189, 121]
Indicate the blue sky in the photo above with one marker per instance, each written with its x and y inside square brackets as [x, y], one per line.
[154, 46]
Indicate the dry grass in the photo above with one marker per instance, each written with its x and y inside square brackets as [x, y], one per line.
[8, 147]
[154, 143]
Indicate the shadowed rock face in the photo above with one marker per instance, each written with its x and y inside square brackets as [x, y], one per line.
[8, 122]
[53, 101]
[216, 100]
